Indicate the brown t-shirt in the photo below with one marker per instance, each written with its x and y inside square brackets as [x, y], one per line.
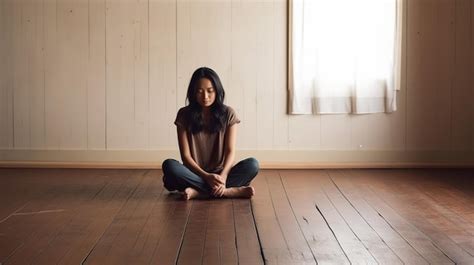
[207, 148]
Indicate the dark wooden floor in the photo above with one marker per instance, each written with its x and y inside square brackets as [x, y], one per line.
[59, 216]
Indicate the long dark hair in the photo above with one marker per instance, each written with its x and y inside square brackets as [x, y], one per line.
[218, 109]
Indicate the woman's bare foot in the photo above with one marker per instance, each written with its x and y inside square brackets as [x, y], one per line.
[239, 192]
[190, 193]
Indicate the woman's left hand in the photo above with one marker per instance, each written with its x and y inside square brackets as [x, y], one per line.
[218, 191]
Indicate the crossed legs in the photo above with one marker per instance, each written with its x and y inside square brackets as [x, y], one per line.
[178, 177]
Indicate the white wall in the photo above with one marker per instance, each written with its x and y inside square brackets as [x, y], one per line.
[110, 75]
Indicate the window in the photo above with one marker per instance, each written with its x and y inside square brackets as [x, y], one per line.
[344, 56]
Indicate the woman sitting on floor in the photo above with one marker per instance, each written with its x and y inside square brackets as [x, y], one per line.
[207, 134]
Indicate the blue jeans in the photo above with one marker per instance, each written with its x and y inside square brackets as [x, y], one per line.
[176, 176]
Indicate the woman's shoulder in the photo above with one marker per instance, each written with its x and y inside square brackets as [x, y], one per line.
[182, 116]
[184, 111]
[232, 117]
[229, 110]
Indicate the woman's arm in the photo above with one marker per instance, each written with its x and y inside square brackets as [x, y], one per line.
[188, 161]
[229, 149]
[185, 153]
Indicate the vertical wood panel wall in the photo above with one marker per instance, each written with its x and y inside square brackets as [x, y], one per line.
[110, 75]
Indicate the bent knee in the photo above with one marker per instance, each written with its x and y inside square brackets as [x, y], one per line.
[168, 166]
[253, 164]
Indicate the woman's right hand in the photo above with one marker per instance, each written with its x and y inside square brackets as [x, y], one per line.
[214, 180]
[218, 191]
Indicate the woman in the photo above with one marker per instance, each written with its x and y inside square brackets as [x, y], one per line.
[206, 135]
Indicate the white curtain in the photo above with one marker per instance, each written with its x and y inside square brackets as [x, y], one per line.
[344, 56]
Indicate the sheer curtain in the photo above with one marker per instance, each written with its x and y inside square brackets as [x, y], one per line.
[344, 56]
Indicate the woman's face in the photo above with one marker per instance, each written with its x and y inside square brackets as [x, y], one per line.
[206, 94]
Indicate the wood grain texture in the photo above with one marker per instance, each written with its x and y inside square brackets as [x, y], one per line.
[416, 238]
[96, 78]
[320, 237]
[41, 219]
[163, 74]
[111, 75]
[192, 247]
[72, 52]
[6, 134]
[274, 246]
[127, 74]
[353, 247]
[280, 36]
[432, 220]
[461, 126]
[248, 245]
[297, 244]
[100, 217]
[72, 216]
[21, 90]
[472, 70]
[377, 247]
[73, 242]
[264, 71]
[244, 76]
[221, 242]
[167, 250]
[387, 233]
[430, 74]
[35, 71]
[54, 102]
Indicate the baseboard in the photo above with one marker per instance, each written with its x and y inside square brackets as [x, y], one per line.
[269, 159]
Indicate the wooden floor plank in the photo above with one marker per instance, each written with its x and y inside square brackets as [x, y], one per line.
[47, 222]
[297, 243]
[351, 245]
[382, 253]
[390, 236]
[98, 215]
[220, 245]
[67, 216]
[102, 251]
[18, 189]
[444, 188]
[448, 189]
[275, 249]
[227, 236]
[19, 228]
[169, 245]
[154, 227]
[423, 216]
[428, 196]
[437, 215]
[321, 239]
[194, 239]
[211, 252]
[410, 233]
[15, 228]
[67, 238]
[131, 219]
[246, 234]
